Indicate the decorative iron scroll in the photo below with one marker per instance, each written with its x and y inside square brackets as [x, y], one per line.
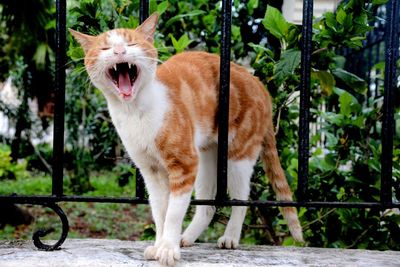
[43, 232]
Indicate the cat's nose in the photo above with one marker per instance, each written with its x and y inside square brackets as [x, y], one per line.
[119, 50]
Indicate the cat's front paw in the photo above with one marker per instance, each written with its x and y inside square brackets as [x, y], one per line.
[150, 253]
[168, 253]
[228, 242]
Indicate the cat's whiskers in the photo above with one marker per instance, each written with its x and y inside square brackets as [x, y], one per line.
[79, 70]
[69, 63]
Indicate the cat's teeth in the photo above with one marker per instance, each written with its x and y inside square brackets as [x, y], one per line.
[130, 65]
[115, 67]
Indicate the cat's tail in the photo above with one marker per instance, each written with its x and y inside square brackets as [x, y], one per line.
[276, 176]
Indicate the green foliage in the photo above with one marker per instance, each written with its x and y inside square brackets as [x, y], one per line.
[289, 61]
[8, 169]
[29, 60]
[345, 163]
[346, 27]
[27, 185]
[180, 44]
[275, 23]
[326, 80]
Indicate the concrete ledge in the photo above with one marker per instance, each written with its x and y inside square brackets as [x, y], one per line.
[102, 252]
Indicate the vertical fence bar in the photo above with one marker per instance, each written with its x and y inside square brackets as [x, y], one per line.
[143, 15]
[304, 127]
[223, 104]
[391, 55]
[59, 99]
[144, 10]
[139, 185]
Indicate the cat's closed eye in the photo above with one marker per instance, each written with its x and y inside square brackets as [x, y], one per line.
[105, 47]
[132, 44]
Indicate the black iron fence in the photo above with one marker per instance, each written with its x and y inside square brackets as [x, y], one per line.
[391, 42]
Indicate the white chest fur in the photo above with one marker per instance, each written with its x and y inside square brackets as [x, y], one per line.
[138, 123]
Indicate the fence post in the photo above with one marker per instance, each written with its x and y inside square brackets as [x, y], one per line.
[223, 104]
[143, 15]
[388, 129]
[59, 99]
[304, 127]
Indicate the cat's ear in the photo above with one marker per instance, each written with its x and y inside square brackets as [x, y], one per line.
[148, 27]
[84, 40]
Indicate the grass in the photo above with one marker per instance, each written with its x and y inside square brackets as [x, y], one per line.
[37, 185]
[87, 220]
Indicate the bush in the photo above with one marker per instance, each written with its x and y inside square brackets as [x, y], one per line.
[8, 169]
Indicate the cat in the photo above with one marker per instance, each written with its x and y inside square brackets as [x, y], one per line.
[166, 118]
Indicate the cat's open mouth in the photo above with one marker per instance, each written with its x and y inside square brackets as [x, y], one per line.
[124, 75]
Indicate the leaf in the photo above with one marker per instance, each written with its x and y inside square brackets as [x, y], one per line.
[359, 122]
[379, 2]
[348, 22]
[362, 29]
[178, 17]
[76, 53]
[330, 20]
[50, 25]
[209, 21]
[340, 61]
[162, 7]
[153, 6]
[236, 32]
[293, 37]
[275, 23]
[258, 47]
[180, 44]
[362, 19]
[289, 61]
[356, 44]
[251, 5]
[184, 41]
[350, 79]
[40, 55]
[288, 241]
[345, 101]
[333, 118]
[379, 66]
[357, 38]
[131, 23]
[341, 16]
[326, 79]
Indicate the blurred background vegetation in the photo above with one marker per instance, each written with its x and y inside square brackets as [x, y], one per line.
[346, 116]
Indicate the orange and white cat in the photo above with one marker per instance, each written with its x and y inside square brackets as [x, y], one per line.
[166, 118]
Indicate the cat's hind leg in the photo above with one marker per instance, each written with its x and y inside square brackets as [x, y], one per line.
[205, 188]
[239, 174]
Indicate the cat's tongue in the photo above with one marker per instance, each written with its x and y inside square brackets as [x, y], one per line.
[124, 83]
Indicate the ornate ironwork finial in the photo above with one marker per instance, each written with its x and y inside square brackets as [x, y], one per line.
[43, 232]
